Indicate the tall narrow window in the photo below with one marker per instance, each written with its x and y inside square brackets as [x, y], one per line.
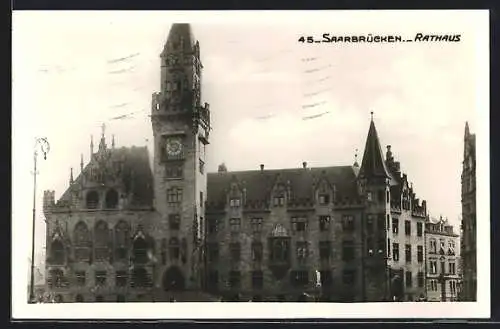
[348, 223]
[92, 200]
[174, 222]
[324, 223]
[420, 254]
[420, 279]
[395, 252]
[395, 226]
[408, 253]
[407, 227]
[420, 229]
[408, 279]
[101, 241]
[82, 242]
[256, 225]
[122, 240]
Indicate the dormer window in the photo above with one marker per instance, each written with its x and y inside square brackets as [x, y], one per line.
[111, 199]
[279, 200]
[235, 202]
[92, 200]
[324, 199]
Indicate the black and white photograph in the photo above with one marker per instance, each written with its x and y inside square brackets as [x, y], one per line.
[259, 164]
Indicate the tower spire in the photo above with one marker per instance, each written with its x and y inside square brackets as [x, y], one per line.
[356, 164]
[113, 141]
[467, 131]
[102, 143]
[91, 145]
[81, 162]
[71, 176]
[373, 164]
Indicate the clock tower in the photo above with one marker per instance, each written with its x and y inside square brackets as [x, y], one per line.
[181, 126]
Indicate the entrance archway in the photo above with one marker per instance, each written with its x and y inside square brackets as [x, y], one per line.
[173, 280]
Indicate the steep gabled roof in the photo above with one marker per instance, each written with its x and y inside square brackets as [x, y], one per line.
[136, 174]
[373, 164]
[259, 183]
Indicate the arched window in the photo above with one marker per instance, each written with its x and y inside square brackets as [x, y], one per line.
[79, 298]
[140, 278]
[122, 240]
[56, 278]
[111, 199]
[140, 251]
[174, 248]
[433, 245]
[92, 200]
[81, 242]
[101, 233]
[57, 252]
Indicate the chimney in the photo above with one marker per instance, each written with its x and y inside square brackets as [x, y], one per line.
[261, 167]
[304, 165]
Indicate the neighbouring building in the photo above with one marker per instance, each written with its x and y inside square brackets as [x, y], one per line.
[468, 230]
[129, 230]
[443, 261]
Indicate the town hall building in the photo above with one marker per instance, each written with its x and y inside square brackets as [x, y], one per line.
[130, 230]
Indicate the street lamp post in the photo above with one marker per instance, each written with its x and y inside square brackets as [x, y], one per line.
[44, 147]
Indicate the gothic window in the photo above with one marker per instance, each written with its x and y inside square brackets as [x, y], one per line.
[299, 224]
[122, 240]
[324, 199]
[235, 202]
[433, 266]
[173, 171]
[279, 200]
[81, 242]
[111, 199]
[347, 250]
[299, 278]
[174, 248]
[140, 278]
[257, 251]
[395, 252]
[256, 225]
[433, 246]
[80, 278]
[174, 222]
[301, 250]
[280, 249]
[121, 279]
[235, 224]
[101, 249]
[57, 252]
[348, 223]
[407, 228]
[420, 279]
[56, 278]
[235, 251]
[324, 250]
[140, 251]
[324, 223]
[420, 254]
[408, 253]
[408, 279]
[174, 195]
[100, 278]
[92, 200]
[395, 226]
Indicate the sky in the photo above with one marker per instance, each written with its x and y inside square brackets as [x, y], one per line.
[260, 83]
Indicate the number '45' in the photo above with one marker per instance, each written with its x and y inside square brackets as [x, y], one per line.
[309, 39]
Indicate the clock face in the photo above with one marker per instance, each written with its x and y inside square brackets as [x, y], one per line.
[174, 146]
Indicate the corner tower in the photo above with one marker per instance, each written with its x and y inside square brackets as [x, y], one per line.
[181, 126]
[374, 181]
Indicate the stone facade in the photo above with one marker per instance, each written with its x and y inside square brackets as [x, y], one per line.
[443, 261]
[124, 231]
[469, 234]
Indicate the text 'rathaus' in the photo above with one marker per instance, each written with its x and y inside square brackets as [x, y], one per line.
[124, 232]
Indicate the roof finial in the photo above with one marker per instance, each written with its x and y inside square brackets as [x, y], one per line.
[71, 176]
[371, 113]
[103, 129]
[356, 164]
[81, 162]
[91, 145]
[113, 141]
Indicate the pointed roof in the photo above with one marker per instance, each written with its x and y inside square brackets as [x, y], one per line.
[373, 164]
[180, 35]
